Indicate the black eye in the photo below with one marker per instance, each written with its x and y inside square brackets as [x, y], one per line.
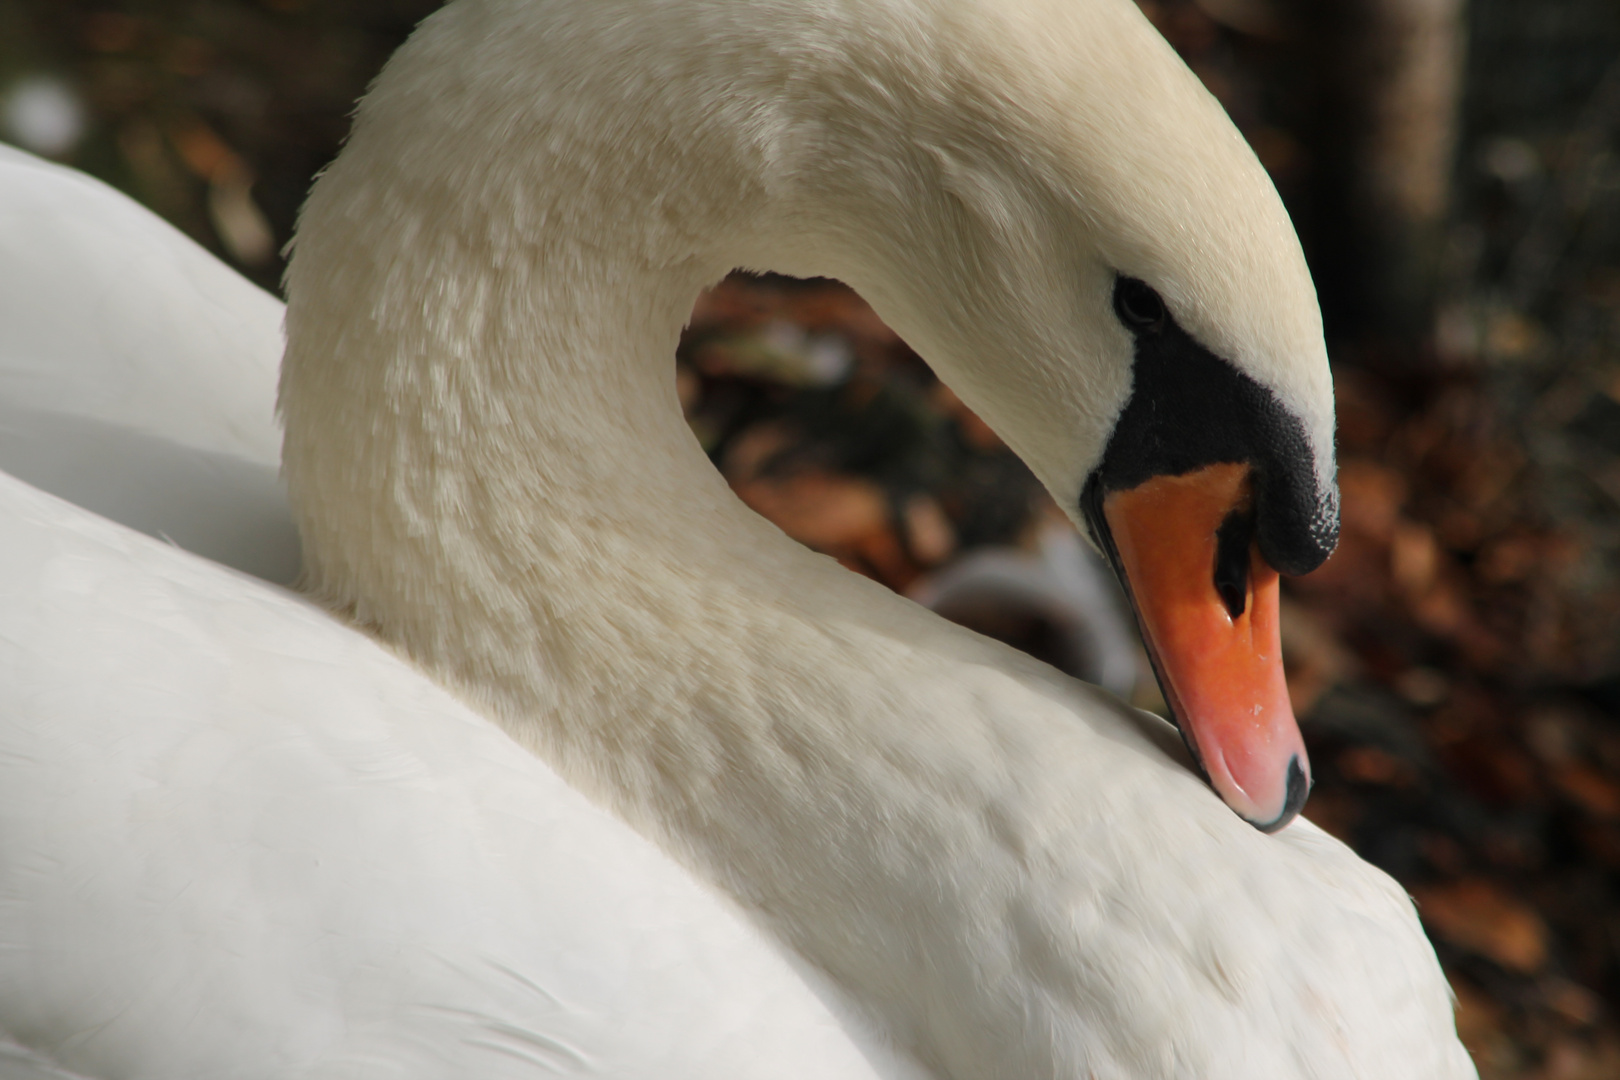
[1138, 306]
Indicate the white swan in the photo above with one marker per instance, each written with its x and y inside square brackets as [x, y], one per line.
[240, 839]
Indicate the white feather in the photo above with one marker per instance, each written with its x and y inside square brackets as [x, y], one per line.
[137, 379]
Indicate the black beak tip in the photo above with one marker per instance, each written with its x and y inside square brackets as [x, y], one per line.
[1299, 788]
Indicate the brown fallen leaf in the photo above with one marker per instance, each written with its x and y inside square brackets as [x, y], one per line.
[1498, 773]
[1591, 790]
[1370, 765]
[1314, 661]
[975, 431]
[1572, 1059]
[929, 535]
[1414, 558]
[1509, 559]
[1370, 497]
[1480, 916]
[1572, 1001]
[1334, 811]
[1479, 1019]
[821, 510]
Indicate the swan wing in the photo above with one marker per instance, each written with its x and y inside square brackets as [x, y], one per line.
[238, 839]
[138, 372]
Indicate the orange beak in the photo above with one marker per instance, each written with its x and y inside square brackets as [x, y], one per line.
[1207, 605]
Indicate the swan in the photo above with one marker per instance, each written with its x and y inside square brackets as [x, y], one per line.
[245, 838]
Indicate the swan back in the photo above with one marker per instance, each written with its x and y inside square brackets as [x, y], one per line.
[243, 840]
[137, 373]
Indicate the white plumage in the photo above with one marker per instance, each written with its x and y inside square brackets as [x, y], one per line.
[238, 838]
[137, 377]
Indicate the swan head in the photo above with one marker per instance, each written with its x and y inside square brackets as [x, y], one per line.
[1066, 224]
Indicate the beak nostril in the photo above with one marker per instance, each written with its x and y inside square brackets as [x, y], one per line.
[1232, 542]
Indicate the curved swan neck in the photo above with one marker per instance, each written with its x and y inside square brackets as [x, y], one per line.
[473, 393]
[510, 472]
[485, 301]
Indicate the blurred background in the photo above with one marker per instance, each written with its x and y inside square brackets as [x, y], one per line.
[1452, 168]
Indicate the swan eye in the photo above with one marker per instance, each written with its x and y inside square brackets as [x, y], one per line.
[1140, 308]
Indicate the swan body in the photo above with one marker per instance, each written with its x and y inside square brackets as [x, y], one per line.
[137, 379]
[340, 872]
[1002, 870]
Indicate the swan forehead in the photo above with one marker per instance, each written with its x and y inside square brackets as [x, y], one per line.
[1157, 181]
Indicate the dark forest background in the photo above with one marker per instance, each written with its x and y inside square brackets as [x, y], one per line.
[1452, 169]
